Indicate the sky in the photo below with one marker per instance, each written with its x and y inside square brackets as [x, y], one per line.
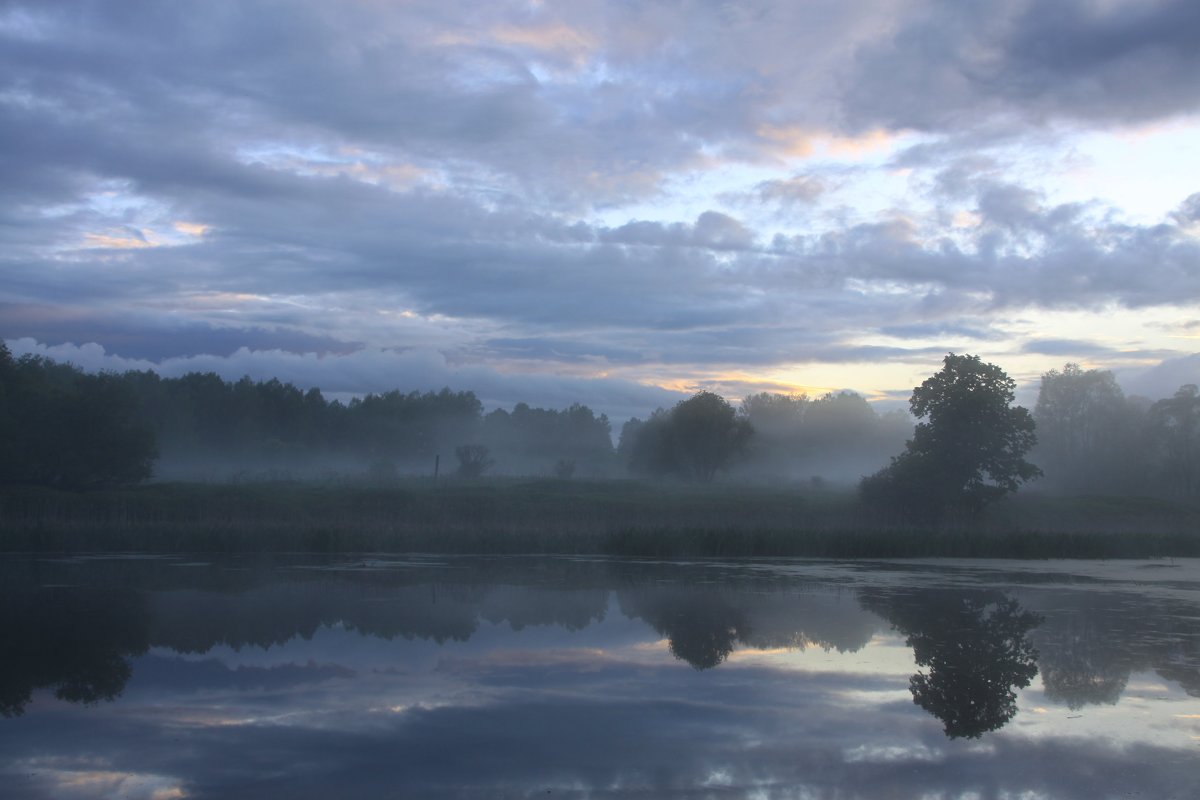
[601, 201]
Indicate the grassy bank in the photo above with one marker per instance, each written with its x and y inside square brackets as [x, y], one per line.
[546, 516]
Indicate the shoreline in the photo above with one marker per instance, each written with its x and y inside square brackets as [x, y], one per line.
[553, 517]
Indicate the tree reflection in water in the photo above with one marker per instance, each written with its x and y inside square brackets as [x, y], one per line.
[976, 651]
[701, 627]
[73, 629]
[76, 640]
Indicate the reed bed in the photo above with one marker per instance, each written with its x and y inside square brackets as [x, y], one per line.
[585, 517]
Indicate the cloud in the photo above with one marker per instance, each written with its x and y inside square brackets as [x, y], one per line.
[712, 231]
[1163, 379]
[338, 265]
[952, 64]
[940, 330]
[662, 729]
[1064, 347]
[1188, 213]
[547, 187]
[154, 337]
[798, 190]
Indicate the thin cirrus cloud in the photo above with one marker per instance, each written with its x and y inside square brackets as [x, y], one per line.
[651, 195]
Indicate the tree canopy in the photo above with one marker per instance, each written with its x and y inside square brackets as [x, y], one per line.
[62, 427]
[694, 440]
[1176, 422]
[1085, 429]
[969, 450]
[838, 436]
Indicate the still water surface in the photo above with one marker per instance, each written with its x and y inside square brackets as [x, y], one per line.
[570, 677]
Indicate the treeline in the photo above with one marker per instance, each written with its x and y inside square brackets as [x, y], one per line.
[60, 426]
[836, 437]
[67, 428]
[206, 425]
[1092, 438]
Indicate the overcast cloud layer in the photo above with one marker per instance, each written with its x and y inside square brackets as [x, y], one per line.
[601, 201]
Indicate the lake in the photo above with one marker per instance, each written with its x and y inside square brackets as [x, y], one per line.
[156, 678]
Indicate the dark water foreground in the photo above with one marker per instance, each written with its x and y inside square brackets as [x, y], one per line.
[162, 678]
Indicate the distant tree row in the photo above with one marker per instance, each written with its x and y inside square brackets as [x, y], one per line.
[837, 436]
[203, 420]
[771, 436]
[693, 440]
[62, 427]
[1093, 438]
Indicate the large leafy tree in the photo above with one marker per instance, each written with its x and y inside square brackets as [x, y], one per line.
[696, 439]
[968, 451]
[1176, 424]
[1088, 433]
[707, 434]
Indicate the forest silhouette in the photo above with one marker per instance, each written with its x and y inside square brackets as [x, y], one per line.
[65, 428]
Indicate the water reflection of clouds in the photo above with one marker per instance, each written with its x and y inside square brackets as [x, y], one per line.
[60, 778]
[635, 744]
[888, 655]
[1150, 712]
[586, 699]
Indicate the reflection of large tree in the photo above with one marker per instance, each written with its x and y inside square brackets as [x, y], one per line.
[77, 641]
[702, 628]
[1081, 662]
[196, 621]
[704, 624]
[975, 649]
[1092, 642]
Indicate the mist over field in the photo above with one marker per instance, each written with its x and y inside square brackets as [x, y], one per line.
[72, 429]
